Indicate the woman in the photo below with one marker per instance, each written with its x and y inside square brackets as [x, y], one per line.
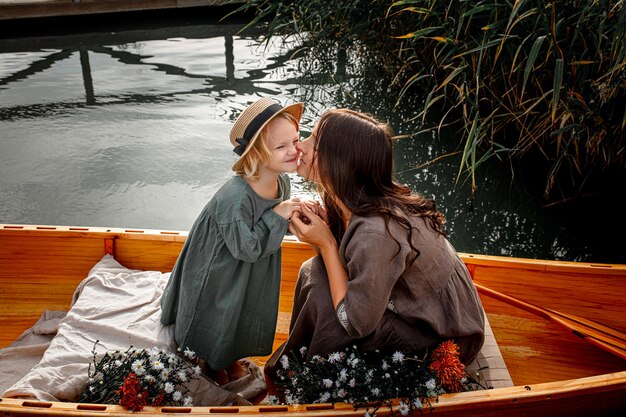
[386, 277]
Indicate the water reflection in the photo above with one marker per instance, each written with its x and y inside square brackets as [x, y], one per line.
[130, 130]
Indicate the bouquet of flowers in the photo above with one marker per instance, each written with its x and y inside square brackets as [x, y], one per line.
[139, 377]
[372, 379]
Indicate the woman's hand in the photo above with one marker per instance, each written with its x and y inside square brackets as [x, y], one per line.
[312, 229]
[318, 234]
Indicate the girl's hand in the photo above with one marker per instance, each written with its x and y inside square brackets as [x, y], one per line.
[315, 207]
[286, 208]
[314, 232]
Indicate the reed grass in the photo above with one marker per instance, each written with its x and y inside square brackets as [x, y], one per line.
[520, 77]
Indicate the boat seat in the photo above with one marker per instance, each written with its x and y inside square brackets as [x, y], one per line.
[489, 367]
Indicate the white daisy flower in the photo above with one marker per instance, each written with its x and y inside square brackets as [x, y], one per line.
[188, 401]
[154, 352]
[324, 397]
[327, 382]
[341, 393]
[403, 408]
[168, 388]
[158, 365]
[284, 361]
[431, 384]
[384, 366]
[165, 375]
[189, 353]
[334, 357]
[398, 357]
[138, 367]
[182, 375]
[177, 396]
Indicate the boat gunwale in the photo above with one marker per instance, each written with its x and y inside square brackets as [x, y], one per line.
[518, 395]
[291, 241]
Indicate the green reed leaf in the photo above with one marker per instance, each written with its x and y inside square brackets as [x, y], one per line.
[532, 57]
[556, 89]
[419, 33]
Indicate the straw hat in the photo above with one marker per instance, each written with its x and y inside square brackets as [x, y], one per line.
[252, 120]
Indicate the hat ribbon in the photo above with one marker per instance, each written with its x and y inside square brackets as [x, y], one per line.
[256, 123]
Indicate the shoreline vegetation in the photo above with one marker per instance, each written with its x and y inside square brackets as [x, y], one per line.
[521, 81]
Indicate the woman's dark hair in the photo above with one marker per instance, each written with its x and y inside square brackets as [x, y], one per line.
[355, 165]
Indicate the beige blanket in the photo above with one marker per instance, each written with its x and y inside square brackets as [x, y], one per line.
[119, 307]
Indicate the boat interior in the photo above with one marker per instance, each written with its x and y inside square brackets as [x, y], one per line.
[549, 321]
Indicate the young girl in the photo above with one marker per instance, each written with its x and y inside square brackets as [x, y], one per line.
[223, 291]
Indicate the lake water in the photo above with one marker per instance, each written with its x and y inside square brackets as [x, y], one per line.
[129, 128]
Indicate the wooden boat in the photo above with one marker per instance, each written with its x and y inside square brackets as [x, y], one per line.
[560, 326]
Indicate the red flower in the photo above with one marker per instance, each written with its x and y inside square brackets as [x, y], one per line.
[447, 366]
[158, 400]
[133, 397]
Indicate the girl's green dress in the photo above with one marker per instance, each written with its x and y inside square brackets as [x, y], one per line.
[223, 292]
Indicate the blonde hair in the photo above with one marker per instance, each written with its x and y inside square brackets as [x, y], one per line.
[260, 155]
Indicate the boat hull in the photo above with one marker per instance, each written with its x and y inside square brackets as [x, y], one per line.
[558, 368]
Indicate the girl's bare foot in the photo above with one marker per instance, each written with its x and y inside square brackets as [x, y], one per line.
[236, 370]
[220, 377]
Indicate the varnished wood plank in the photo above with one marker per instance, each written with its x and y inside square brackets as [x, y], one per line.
[13, 325]
[536, 350]
[541, 265]
[147, 254]
[608, 339]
